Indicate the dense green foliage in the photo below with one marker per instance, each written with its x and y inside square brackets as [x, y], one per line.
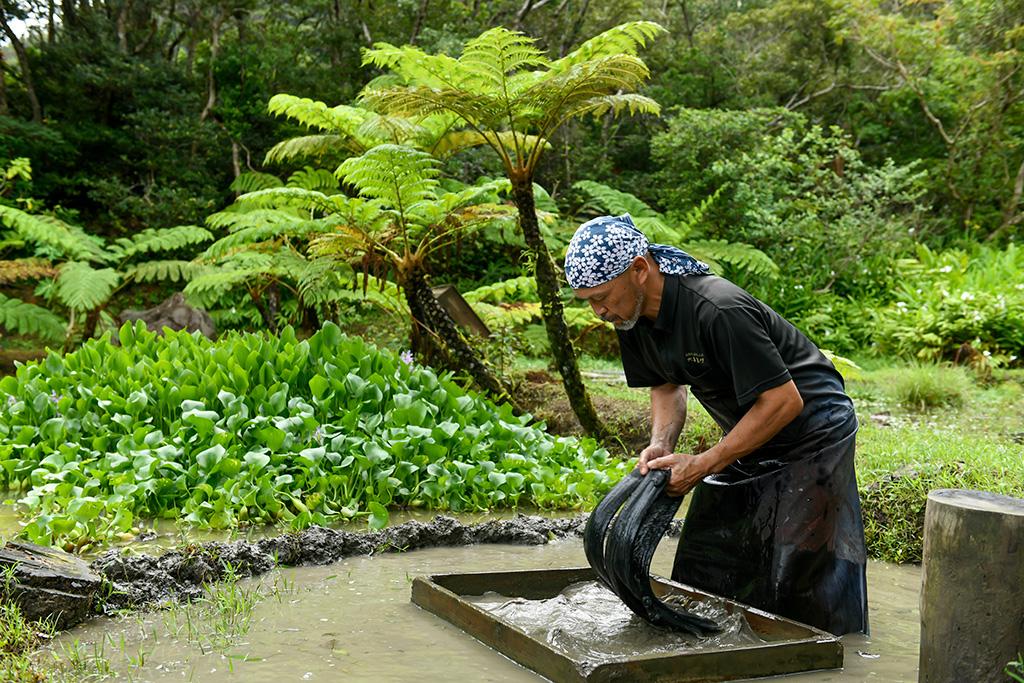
[258, 429]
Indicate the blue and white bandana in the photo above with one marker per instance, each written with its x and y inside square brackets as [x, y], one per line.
[603, 249]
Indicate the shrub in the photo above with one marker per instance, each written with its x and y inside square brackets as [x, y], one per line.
[957, 305]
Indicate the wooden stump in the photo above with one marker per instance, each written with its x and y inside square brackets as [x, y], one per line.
[50, 583]
[972, 592]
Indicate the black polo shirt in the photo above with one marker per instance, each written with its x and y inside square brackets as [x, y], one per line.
[729, 347]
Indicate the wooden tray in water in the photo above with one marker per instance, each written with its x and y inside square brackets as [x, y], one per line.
[792, 647]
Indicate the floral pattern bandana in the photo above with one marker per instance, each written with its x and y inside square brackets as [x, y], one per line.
[603, 249]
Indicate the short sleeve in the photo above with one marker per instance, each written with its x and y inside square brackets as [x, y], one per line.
[639, 373]
[746, 353]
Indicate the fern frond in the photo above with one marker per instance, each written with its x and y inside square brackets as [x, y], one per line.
[459, 140]
[311, 146]
[165, 271]
[741, 256]
[341, 120]
[26, 269]
[235, 218]
[292, 197]
[516, 314]
[615, 201]
[261, 233]
[413, 65]
[165, 239]
[615, 105]
[70, 241]
[210, 287]
[580, 317]
[518, 288]
[625, 38]
[81, 287]
[25, 318]
[399, 176]
[251, 181]
[496, 54]
[310, 178]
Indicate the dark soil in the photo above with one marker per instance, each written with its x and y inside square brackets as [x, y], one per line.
[542, 394]
[139, 580]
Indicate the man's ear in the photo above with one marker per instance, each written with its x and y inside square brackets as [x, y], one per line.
[641, 268]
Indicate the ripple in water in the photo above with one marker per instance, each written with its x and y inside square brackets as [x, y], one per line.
[586, 621]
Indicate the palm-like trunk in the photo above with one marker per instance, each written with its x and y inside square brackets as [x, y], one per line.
[553, 312]
[435, 333]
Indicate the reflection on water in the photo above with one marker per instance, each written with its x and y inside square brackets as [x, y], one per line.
[353, 621]
[588, 622]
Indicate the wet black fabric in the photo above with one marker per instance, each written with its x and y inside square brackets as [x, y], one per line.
[729, 347]
[784, 536]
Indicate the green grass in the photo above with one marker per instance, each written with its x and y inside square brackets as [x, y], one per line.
[907, 448]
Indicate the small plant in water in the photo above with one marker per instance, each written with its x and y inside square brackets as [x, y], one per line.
[1015, 669]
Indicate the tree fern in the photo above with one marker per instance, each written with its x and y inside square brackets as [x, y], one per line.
[82, 288]
[25, 318]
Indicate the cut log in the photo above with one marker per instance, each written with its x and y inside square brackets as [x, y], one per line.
[972, 591]
[50, 584]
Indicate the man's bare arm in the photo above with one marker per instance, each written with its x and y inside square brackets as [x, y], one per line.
[668, 414]
[773, 410]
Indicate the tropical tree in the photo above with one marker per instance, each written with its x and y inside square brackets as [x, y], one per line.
[503, 89]
[399, 219]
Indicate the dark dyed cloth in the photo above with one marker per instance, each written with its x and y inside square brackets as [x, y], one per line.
[785, 536]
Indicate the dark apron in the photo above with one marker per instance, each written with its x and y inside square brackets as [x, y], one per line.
[786, 537]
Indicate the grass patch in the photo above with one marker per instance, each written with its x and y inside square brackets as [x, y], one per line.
[905, 452]
[923, 387]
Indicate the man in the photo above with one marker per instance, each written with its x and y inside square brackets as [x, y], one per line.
[775, 520]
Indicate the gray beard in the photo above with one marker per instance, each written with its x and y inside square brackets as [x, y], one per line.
[631, 321]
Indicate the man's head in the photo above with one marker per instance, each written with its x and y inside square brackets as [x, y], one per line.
[607, 265]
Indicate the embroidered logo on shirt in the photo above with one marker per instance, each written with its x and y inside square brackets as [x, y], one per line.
[695, 358]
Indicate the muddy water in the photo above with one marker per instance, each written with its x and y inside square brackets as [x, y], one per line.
[353, 621]
[588, 622]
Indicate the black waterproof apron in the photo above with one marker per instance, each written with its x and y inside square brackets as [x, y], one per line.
[786, 537]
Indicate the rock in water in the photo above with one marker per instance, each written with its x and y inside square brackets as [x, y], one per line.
[174, 313]
[50, 583]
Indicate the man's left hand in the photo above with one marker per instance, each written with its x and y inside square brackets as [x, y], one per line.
[686, 471]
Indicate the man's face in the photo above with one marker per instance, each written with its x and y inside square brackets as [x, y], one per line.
[619, 301]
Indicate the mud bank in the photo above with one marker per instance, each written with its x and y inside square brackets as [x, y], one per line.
[139, 580]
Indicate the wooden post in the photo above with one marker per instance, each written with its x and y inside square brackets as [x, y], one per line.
[972, 592]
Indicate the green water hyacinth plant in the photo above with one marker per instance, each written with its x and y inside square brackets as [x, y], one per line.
[256, 429]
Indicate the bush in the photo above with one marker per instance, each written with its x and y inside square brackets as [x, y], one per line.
[958, 306]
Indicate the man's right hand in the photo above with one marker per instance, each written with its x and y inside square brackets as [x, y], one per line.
[650, 453]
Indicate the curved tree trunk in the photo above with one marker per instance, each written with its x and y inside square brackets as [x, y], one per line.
[434, 329]
[552, 310]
